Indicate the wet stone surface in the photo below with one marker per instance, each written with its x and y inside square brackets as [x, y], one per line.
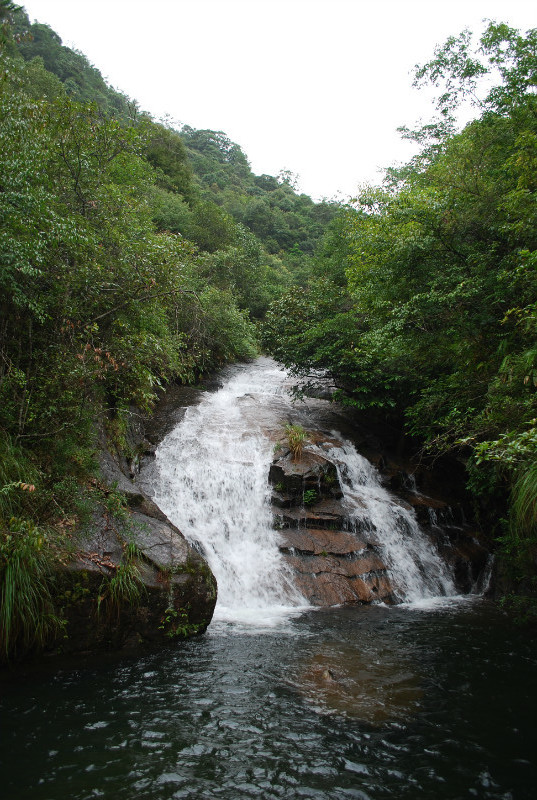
[330, 563]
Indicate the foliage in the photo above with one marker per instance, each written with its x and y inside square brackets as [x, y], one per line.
[125, 587]
[430, 314]
[82, 81]
[310, 497]
[27, 616]
[176, 623]
[271, 208]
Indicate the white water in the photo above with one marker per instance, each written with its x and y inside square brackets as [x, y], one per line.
[210, 477]
[416, 570]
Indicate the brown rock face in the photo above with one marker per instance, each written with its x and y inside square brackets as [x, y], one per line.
[335, 562]
[331, 565]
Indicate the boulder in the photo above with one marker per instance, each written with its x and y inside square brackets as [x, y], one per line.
[132, 578]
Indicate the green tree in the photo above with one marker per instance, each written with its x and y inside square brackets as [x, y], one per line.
[437, 323]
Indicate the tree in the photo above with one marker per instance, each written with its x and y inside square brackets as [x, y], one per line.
[441, 283]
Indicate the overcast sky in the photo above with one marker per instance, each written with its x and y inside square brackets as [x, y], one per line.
[317, 87]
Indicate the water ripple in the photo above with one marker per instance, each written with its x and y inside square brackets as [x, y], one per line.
[407, 714]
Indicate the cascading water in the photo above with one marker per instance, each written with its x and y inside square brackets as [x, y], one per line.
[210, 477]
[416, 570]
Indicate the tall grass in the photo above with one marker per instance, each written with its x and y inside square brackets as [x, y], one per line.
[296, 439]
[26, 611]
[126, 586]
[524, 502]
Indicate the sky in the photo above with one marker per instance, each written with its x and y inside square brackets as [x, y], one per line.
[317, 87]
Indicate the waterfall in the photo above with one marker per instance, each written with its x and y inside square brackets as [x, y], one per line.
[210, 477]
[416, 570]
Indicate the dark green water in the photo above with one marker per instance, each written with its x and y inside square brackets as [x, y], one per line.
[366, 702]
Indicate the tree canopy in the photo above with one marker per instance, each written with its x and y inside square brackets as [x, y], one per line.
[435, 320]
[122, 269]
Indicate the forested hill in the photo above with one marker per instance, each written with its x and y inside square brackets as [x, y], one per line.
[131, 255]
[210, 172]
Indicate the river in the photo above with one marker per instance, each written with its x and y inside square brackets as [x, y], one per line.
[432, 698]
[436, 703]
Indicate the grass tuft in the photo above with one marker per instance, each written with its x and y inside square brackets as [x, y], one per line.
[296, 439]
[524, 501]
[27, 616]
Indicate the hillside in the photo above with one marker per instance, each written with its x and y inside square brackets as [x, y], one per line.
[131, 256]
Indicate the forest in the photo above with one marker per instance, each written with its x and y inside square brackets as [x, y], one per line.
[134, 255]
[424, 309]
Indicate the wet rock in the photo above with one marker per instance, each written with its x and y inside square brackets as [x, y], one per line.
[331, 564]
[165, 590]
[455, 540]
[133, 578]
[312, 476]
[318, 541]
[337, 560]
[468, 558]
[330, 517]
[328, 588]
[170, 410]
[334, 567]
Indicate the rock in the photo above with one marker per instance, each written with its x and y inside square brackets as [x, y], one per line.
[334, 567]
[336, 560]
[468, 558]
[311, 473]
[330, 565]
[169, 592]
[133, 578]
[317, 541]
[456, 541]
[328, 516]
[171, 409]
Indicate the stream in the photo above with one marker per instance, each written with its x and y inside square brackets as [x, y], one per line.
[430, 698]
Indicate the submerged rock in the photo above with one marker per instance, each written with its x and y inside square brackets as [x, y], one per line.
[345, 680]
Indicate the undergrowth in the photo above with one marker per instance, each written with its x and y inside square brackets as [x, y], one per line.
[27, 617]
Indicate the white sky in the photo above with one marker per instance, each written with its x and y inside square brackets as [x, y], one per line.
[314, 86]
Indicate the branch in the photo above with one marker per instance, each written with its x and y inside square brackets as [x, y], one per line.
[41, 435]
[139, 300]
